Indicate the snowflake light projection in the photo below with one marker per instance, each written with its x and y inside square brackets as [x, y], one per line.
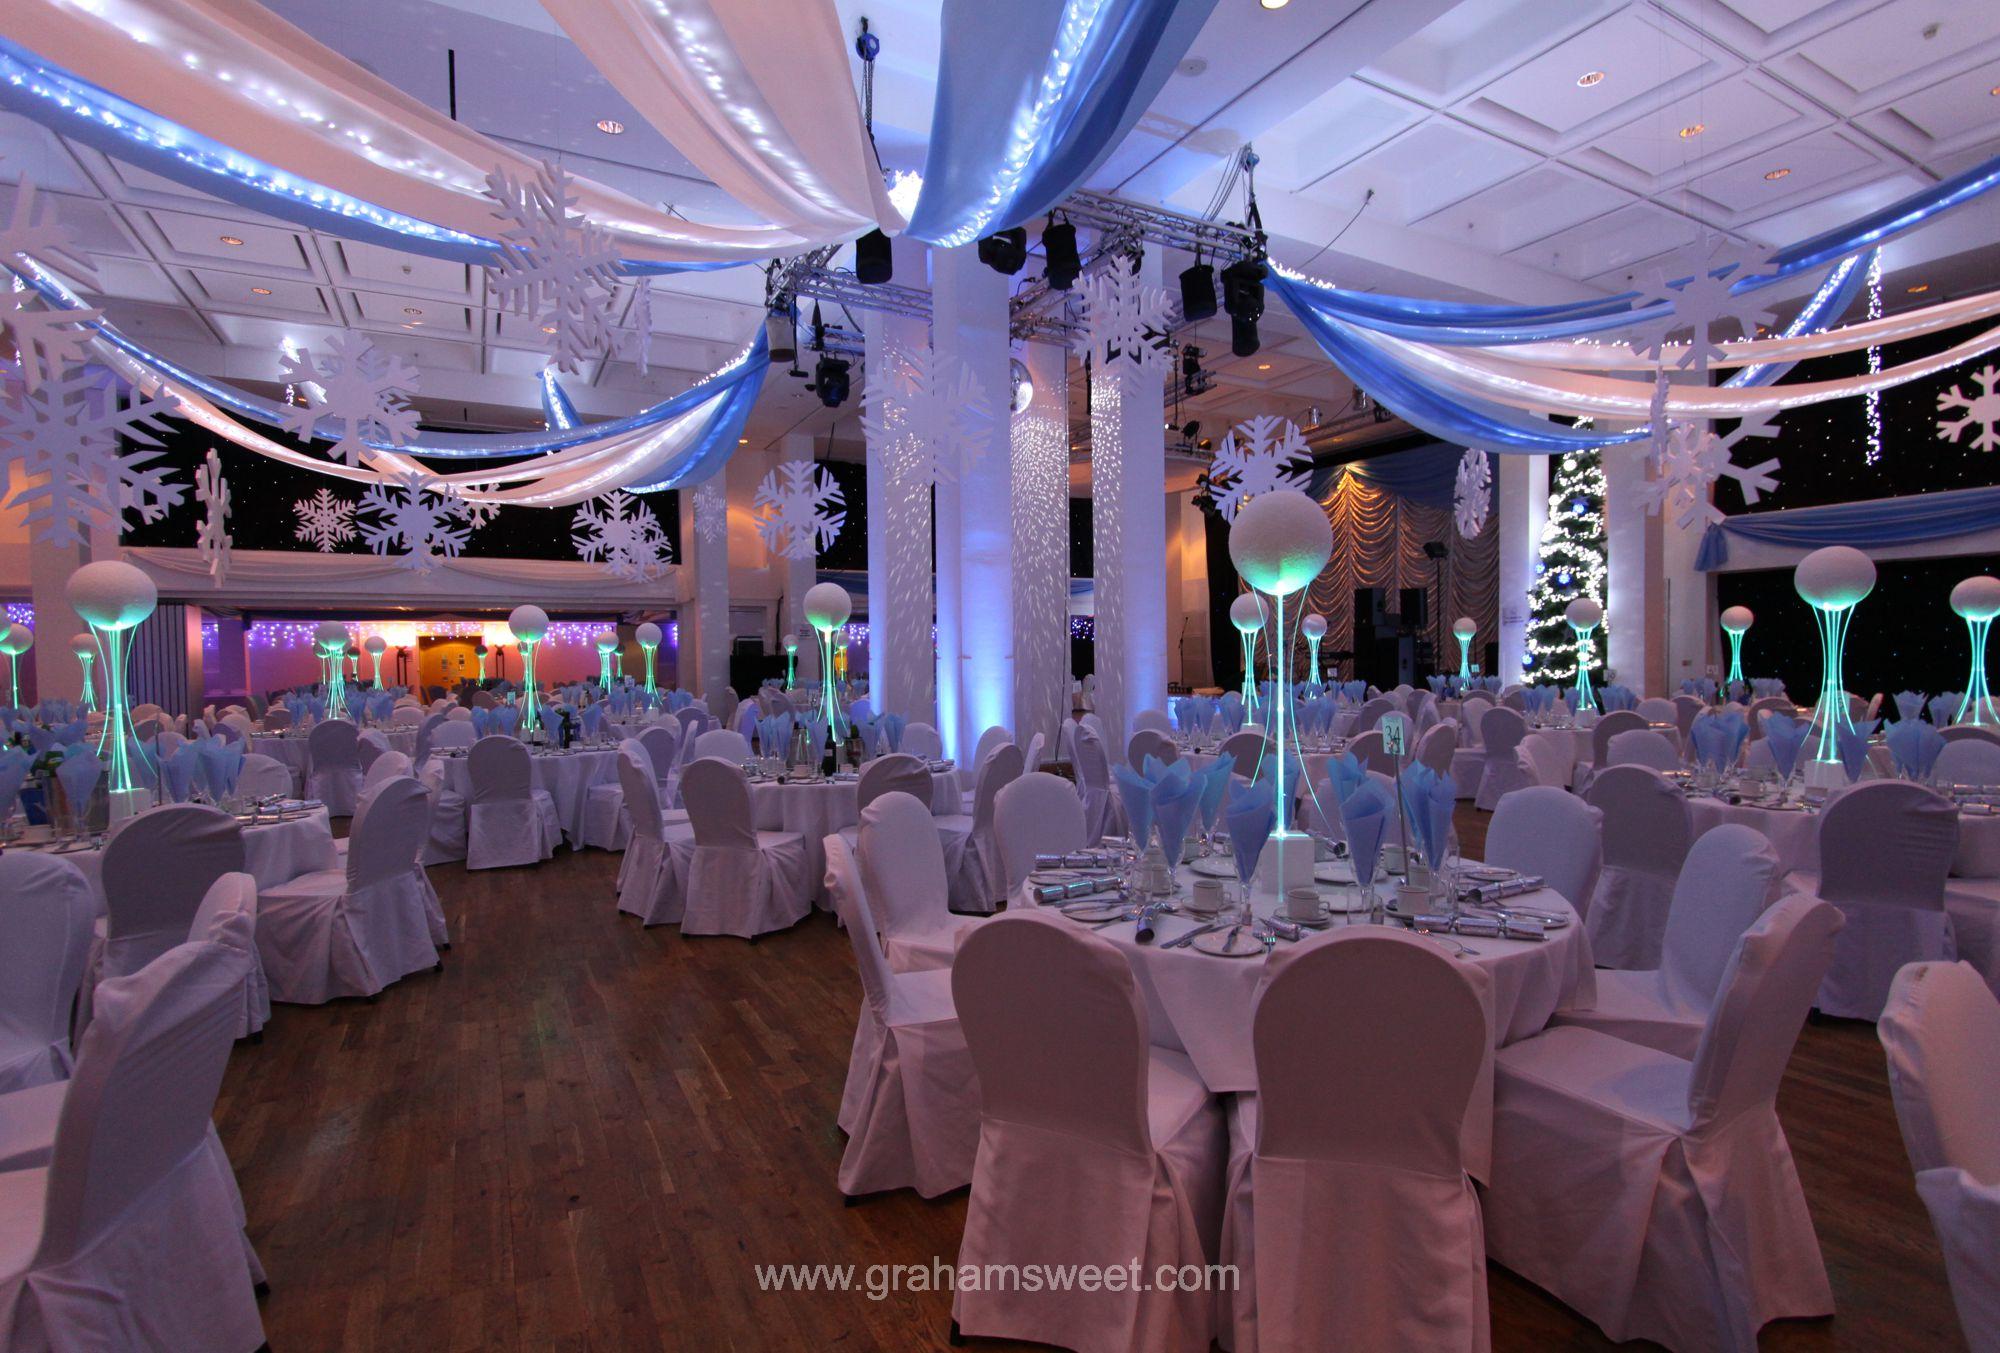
[937, 408]
[1702, 304]
[1695, 459]
[711, 512]
[324, 520]
[1258, 456]
[1472, 492]
[212, 541]
[797, 509]
[413, 521]
[1980, 411]
[1124, 317]
[45, 340]
[61, 443]
[623, 533]
[356, 387]
[555, 266]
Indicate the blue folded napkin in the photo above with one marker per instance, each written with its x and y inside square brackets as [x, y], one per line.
[1786, 738]
[1135, 791]
[1914, 746]
[1214, 784]
[1944, 707]
[1365, 815]
[482, 721]
[1909, 705]
[79, 773]
[1345, 774]
[1853, 746]
[221, 761]
[14, 767]
[1429, 799]
[1176, 800]
[1717, 738]
[1250, 816]
[177, 771]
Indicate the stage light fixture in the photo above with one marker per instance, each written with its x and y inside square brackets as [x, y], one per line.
[1243, 298]
[832, 381]
[1005, 251]
[1197, 292]
[873, 263]
[1059, 253]
[1190, 362]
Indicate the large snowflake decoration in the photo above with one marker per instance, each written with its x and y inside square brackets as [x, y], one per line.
[324, 520]
[1696, 288]
[1258, 456]
[413, 520]
[624, 534]
[711, 512]
[212, 541]
[555, 266]
[1472, 494]
[933, 410]
[64, 446]
[1123, 317]
[797, 509]
[355, 387]
[45, 340]
[1695, 459]
[1980, 411]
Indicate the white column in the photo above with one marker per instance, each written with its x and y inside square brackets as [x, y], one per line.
[1041, 549]
[704, 639]
[901, 665]
[800, 574]
[975, 540]
[58, 675]
[1634, 604]
[1523, 508]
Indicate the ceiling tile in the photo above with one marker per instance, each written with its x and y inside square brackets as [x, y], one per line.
[1953, 109]
[372, 263]
[203, 237]
[1875, 49]
[1476, 40]
[1616, 240]
[1817, 163]
[237, 293]
[1348, 120]
[1637, 54]
[1731, 114]
[1524, 208]
[399, 312]
[1423, 170]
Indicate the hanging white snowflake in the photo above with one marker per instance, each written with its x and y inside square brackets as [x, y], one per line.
[1695, 459]
[479, 511]
[711, 512]
[1980, 411]
[1696, 287]
[413, 521]
[1472, 493]
[639, 347]
[39, 236]
[44, 340]
[1123, 317]
[555, 266]
[212, 540]
[624, 534]
[798, 516]
[1258, 456]
[360, 390]
[324, 520]
[61, 446]
[935, 409]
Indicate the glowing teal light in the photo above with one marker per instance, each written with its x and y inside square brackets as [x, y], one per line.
[89, 699]
[1833, 581]
[531, 705]
[649, 650]
[1586, 697]
[1977, 600]
[115, 645]
[1312, 646]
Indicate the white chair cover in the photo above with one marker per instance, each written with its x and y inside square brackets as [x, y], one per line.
[46, 910]
[140, 1240]
[387, 766]
[1724, 884]
[910, 1107]
[1148, 742]
[739, 881]
[723, 743]
[262, 777]
[903, 868]
[403, 716]
[1344, 1124]
[989, 740]
[1641, 747]
[1500, 733]
[1035, 815]
[451, 734]
[1941, 1030]
[1543, 760]
[1647, 831]
[1154, 720]
[1657, 1196]
[1371, 752]
[1967, 761]
[1885, 847]
[352, 932]
[509, 821]
[368, 746]
[1470, 711]
[980, 882]
[335, 775]
[649, 885]
[1966, 732]
[1247, 746]
[1091, 1142]
[920, 739]
[1093, 787]
[1658, 709]
[1371, 714]
[896, 773]
[1688, 708]
[1438, 746]
[154, 873]
[1610, 726]
[1769, 704]
[1321, 816]
[1551, 833]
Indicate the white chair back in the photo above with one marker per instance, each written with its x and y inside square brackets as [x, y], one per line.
[1146, 742]
[458, 714]
[1646, 824]
[1688, 708]
[641, 790]
[902, 866]
[1471, 711]
[1887, 842]
[1769, 704]
[717, 797]
[391, 823]
[1941, 1031]
[1154, 720]
[1966, 732]
[1248, 749]
[920, 739]
[155, 871]
[1658, 709]
[333, 744]
[1370, 750]
[850, 903]
[1501, 731]
[1549, 832]
[1093, 767]
[261, 776]
[990, 739]
[1033, 758]
[384, 767]
[367, 747]
[1543, 757]
[1437, 747]
[725, 743]
[46, 911]
[662, 742]
[898, 773]
[1641, 747]
[227, 914]
[241, 723]
[1036, 814]
[500, 770]
[1964, 761]
[402, 716]
[1610, 726]
[1001, 768]
[1371, 714]
[1722, 889]
[448, 734]
[277, 720]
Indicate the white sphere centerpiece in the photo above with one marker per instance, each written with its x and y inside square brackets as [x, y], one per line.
[1247, 613]
[1833, 581]
[1462, 629]
[375, 646]
[607, 644]
[1314, 628]
[1584, 615]
[827, 607]
[14, 641]
[1977, 601]
[84, 649]
[1736, 622]
[529, 624]
[648, 634]
[113, 597]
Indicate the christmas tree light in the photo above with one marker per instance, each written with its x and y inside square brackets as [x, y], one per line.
[1571, 565]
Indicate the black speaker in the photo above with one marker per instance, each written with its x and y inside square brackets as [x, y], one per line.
[873, 262]
[1416, 609]
[1370, 614]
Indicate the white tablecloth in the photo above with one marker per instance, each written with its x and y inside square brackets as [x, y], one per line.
[273, 853]
[1794, 834]
[567, 776]
[1201, 1005]
[815, 810]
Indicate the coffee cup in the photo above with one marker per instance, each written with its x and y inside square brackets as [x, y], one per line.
[1207, 898]
[1302, 903]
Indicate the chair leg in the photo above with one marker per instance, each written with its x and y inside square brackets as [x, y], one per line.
[262, 1290]
[957, 1338]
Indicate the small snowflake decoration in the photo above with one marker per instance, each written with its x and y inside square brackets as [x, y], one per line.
[711, 512]
[1258, 456]
[212, 541]
[623, 533]
[1980, 411]
[1695, 459]
[797, 509]
[324, 520]
[946, 419]
[555, 266]
[1123, 318]
[1472, 494]
[413, 520]
[1702, 305]
[478, 511]
[61, 445]
[357, 388]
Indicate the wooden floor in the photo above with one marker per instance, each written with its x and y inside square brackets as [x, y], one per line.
[583, 1134]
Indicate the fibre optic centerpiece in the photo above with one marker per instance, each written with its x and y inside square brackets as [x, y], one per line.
[1247, 614]
[1584, 616]
[1314, 628]
[649, 636]
[1462, 629]
[375, 646]
[1978, 601]
[479, 652]
[528, 624]
[113, 597]
[1833, 582]
[85, 649]
[1736, 622]
[331, 638]
[1279, 543]
[791, 660]
[827, 607]
[14, 641]
[607, 644]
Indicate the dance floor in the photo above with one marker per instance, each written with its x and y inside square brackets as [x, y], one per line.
[585, 1134]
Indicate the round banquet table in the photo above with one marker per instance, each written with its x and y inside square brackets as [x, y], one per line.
[290, 748]
[1200, 1004]
[818, 808]
[567, 776]
[273, 852]
[1794, 835]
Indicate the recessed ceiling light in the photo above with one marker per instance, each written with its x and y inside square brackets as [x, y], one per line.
[1274, 4]
[743, 441]
[260, 291]
[610, 126]
[1589, 79]
[1774, 175]
[1693, 130]
[548, 328]
[231, 240]
[1263, 366]
[1919, 289]
[1995, 91]
[412, 310]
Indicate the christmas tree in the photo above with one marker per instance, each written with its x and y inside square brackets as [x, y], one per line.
[1572, 565]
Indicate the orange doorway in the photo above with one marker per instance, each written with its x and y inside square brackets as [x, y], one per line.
[445, 662]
